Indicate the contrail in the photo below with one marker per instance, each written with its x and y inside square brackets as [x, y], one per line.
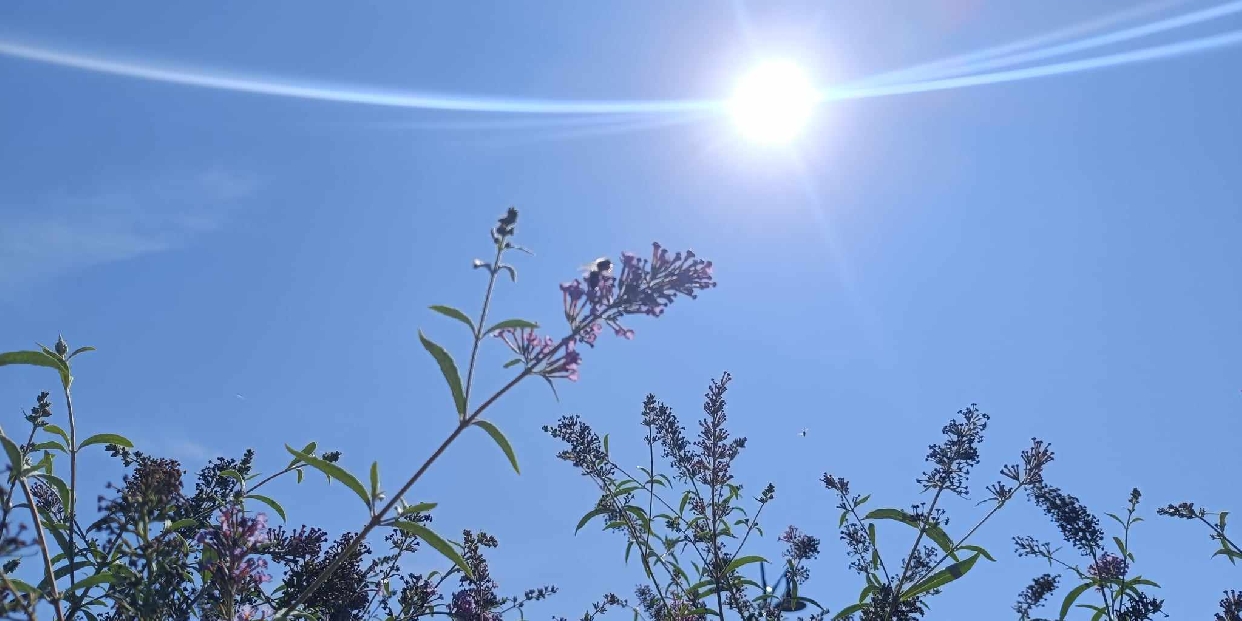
[955, 64]
[1099, 62]
[1179, 21]
[341, 93]
[414, 100]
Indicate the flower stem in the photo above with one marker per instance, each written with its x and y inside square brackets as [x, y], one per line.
[43, 549]
[71, 510]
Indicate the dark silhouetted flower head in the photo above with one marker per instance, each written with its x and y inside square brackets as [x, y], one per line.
[1108, 567]
[1034, 594]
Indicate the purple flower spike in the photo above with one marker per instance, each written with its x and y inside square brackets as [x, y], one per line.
[643, 287]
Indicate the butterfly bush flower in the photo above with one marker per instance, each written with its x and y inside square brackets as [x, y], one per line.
[600, 298]
[1108, 567]
[535, 350]
[644, 287]
[229, 547]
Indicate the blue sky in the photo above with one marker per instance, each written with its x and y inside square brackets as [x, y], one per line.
[1060, 250]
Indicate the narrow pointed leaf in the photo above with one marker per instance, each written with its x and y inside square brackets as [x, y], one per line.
[448, 369]
[335, 472]
[742, 561]
[978, 550]
[435, 541]
[107, 438]
[14, 453]
[449, 311]
[512, 324]
[587, 518]
[375, 479]
[847, 611]
[58, 431]
[501, 441]
[1071, 597]
[80, 350]
[271, 503]
[941, 578]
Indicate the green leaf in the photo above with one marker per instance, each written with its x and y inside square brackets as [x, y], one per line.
[1120, 546]
[33, 358]
[106, 438]
[25, 587]
[449, 370]
[1071, 597]
[180, 524]
[80, 350]
[605, 445]
[587, 518]
[941, 578]
[334, 472]
[847, 611]
[375, 480]
[58, 431]
[501, 441]
[512, 324]
[449, 311]
[844, 516]
[932, 531]
[102, 577]
[50, 445]
[435, 541]
[862, 501]
[743, 561]
[978, 550]
[309, 449]
[57, 363]
[15, 455]
[422, 507]
[514, 362]
[271, 503]
[235, 475]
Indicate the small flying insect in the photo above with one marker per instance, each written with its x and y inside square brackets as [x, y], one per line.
[803, 432]
[595, 269]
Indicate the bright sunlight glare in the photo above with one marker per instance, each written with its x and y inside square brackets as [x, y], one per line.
[773, 102]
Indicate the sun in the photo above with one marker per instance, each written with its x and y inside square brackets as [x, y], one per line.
[773, 102]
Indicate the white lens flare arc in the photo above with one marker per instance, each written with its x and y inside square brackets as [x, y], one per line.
[773, 102]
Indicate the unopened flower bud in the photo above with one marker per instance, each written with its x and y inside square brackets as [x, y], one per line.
[62, 347]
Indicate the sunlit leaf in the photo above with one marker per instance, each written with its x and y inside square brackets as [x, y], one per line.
[501, 441]
[1071, 597]
[587, 518]
[977, 549]
[941, 578]
[180, 524]
[14, 453]
[271, 503]
[58, 431]
[514, 362]
[511, 324]
[106, 438]
[449, 311]
[435, 541]
[931, 530]
[50, 445]
[742, 561]
[448, 369]
[375, 480]
[80, 350]
[847, 611]
[335, 472]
